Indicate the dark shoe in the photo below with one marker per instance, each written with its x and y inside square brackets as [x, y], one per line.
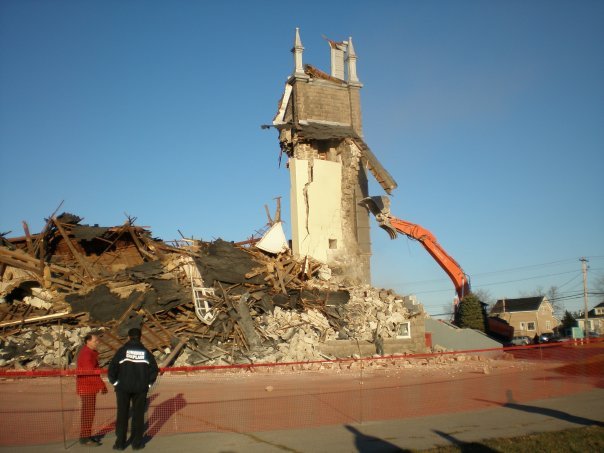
[138, 447]
[118, 447]
[89, 442]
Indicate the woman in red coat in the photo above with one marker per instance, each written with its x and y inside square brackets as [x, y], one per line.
[87, 386]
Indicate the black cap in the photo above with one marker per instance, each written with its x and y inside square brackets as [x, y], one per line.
[135, 333]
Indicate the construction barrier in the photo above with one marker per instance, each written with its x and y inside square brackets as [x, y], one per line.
[40, 407]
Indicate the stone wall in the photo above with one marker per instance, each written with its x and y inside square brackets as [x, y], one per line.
[354, 255]
[322, 100]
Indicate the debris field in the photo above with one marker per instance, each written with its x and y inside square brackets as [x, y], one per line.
[198, 303]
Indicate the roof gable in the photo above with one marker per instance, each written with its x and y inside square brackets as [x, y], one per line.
[517, 305]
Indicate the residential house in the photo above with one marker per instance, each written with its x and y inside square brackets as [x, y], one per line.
[528, 316]
[595, 320]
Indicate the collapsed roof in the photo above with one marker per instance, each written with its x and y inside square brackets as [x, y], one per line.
[204, 295]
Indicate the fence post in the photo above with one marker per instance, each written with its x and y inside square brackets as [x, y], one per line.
[61, 387]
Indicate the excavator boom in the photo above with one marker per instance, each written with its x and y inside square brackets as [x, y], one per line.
[380, 208]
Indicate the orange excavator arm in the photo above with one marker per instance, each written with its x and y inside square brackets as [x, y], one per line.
[380, 207]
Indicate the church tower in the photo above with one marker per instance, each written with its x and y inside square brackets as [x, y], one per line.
[320, 131]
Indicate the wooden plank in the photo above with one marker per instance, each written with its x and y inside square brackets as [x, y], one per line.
[19, 264]
[173, 354]
[152, 246]
[33, 319]
[279, 269]
[127, 311]
[66, 284]
[30, 245]
[40, 240]
[111, 342]
[255, 272]
[158, 325]
[139, 245]
[73, 250]
[19, 255]
[245, 322]
[120, 231]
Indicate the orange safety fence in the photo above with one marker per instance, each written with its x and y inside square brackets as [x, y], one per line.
[40, 407]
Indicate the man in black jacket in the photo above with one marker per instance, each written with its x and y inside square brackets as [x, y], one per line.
[132, 372]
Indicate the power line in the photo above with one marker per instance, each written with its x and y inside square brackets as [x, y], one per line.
[492, 284]
[564, 284]
[528, 267]
[501, 271]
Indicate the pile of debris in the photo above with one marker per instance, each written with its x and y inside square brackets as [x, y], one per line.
[198, 302]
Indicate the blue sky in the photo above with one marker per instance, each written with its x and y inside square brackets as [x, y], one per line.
[490, 116]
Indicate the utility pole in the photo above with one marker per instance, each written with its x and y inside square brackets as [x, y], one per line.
[584, 262]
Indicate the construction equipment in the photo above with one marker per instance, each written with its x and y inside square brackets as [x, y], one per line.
[380, 208]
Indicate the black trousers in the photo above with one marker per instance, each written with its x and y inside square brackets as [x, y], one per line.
[138, 401]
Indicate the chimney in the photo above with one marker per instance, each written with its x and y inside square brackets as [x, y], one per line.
[337, 58]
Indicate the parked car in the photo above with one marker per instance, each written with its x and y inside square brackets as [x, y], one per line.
[548, 338]
[521, 340]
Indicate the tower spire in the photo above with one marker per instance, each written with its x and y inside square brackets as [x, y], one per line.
[352, 65]
[297, 51]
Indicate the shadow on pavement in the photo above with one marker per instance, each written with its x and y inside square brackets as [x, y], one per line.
[162, 413]
[464, 447]
[554, 413]
[371, 444]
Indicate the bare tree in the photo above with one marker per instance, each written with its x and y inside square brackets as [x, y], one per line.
[484, 296]
[552, 294]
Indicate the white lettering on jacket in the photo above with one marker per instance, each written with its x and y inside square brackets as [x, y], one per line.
[134, 355]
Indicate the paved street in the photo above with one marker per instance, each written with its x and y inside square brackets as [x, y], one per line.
[514, 419]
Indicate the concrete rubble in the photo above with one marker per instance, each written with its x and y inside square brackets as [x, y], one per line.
[199, 303]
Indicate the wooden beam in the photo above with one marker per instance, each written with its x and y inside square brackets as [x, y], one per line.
[35, 319]
[73, 250]
[173, 354]
[245, 322]
[30, 245]
[139, 245]
[14, 260]
[121, 231]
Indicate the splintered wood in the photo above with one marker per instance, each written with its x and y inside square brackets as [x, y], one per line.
[113, 278]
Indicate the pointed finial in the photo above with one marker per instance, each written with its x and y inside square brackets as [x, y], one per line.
[297, 51]
[297, 40]
[351, 48]
[352, 64]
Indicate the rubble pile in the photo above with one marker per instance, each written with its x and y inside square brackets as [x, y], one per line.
[198, 302]
[47, 346]
[371, 310]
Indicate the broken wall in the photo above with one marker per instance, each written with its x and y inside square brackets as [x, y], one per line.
[332, 180]
[315, 207]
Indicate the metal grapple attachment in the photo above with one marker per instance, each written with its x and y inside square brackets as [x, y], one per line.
[380, 207]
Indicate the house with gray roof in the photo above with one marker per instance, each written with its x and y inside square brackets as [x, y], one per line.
[595, 320]
[528, 316]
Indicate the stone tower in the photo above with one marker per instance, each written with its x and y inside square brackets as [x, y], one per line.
[320, 131]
